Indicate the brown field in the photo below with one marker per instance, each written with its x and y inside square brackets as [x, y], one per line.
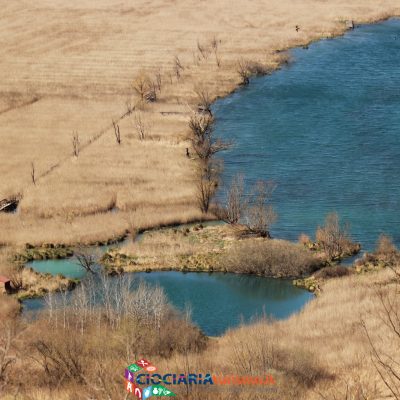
[69, 67]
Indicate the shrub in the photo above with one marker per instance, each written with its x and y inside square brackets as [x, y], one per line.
[385, 247]
[304, 239]
[276, 258]
[334, 237]
[259, 213]
[232, 211]
[335, 271]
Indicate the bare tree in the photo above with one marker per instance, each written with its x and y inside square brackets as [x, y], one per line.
[141, 125]
[117, 132]
[159, 80]
[333, 237]
[214, 46]
[178, 67]
[204, 100]
[75, 144]
[86, 258]
[33, 173]
[202, 50]
[141, 85]
[236, 202]
[203, 141]
[243, 71]
[208, 176]
[260, 215]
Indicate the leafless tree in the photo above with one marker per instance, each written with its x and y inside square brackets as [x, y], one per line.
[243, 71]
[203, 141]
[33, 173]
[260, 215]
[145, 88]
[204, 100]
[214, 45]
[178, 67]
[141, 85]
[117, 132]
[236, 202]
[75, 144]
[333, 237]
[208, 176]
[141, 125]
[202, 50]
[159, 80]
[86, 258]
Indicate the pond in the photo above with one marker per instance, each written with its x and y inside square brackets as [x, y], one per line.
[326, 130]
[221, 301]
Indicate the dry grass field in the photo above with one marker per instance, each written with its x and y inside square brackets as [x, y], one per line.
[68, 68]
[321, 353]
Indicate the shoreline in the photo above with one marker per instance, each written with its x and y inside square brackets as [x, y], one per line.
[209, 245]
[272, 60]
[120, 238]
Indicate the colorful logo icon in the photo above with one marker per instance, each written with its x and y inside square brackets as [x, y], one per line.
[130, 383]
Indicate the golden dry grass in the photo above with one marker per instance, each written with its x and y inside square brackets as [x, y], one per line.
[319, 353]
[69, 66]
[324, 343]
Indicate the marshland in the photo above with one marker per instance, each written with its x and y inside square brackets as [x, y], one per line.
[180, 185]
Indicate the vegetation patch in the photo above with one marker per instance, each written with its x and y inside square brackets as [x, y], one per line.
[34, 284]
[47, 251]
[212, 248]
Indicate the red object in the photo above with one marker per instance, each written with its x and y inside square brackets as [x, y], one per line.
[143, 363]
[4, 279]
[132, 388]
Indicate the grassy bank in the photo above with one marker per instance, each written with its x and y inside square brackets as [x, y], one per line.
[72, 90]
[212, 248]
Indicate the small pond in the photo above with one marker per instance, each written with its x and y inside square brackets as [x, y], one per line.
[221, 301]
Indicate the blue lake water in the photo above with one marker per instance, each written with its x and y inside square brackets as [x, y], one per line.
[326, 130]
[221, 301]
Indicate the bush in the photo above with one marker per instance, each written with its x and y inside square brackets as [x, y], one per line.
[334, 238]
[304, 239]
[336, 271]
[385, 248]
[276, 258]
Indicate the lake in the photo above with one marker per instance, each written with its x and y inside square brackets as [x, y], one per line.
[326, 130]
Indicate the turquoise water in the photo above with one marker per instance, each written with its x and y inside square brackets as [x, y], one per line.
[69, 268]
[221, 301]
[326, 130]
